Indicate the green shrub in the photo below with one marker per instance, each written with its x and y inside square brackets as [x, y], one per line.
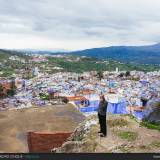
[44, 96]
[11, 92]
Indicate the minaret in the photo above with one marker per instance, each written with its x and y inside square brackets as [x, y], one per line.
[116, 69]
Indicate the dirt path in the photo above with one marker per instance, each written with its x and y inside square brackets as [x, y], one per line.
[126, 135]
[16, 123]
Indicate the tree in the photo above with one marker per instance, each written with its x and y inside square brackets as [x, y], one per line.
[100, 75]
[13, 86]
[121, 75]
[12, 90]
[127, 74]
[1, 88]
[65, 100]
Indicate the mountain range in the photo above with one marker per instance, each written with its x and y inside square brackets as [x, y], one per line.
[149, 54]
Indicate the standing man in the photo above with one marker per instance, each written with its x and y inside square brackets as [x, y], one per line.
[102, 115]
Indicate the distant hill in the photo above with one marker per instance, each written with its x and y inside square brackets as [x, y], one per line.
[5, 54]
[133, 54]
[93, 60]
[149, 54]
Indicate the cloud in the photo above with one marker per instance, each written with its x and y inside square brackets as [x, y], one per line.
[73, 24]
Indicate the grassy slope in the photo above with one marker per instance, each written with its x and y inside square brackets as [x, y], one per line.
[91, 65]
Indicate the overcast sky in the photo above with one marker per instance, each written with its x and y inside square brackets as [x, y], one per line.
[78, 24]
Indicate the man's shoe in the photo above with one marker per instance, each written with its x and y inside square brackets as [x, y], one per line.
[102, 135]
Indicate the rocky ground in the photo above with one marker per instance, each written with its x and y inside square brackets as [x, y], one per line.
[15, 124]
[125, 135]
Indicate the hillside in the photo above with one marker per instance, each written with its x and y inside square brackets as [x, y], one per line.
[5, 54]
[8, 66]
[72, 62]
[133, 54]
[69, 63]
[149, 54]
[125, 135]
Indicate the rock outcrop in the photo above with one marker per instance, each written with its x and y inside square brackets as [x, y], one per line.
[152, 112]
[76, 142]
